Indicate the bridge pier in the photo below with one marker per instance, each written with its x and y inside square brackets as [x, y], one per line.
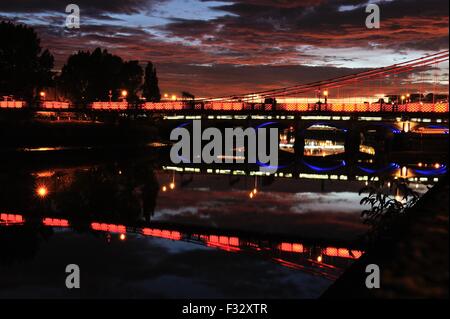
[352, 142]
[299, 144]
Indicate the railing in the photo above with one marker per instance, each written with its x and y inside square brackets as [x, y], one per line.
[242, 106]
[12, 104]
[301, 107]
[55, 105]
[109, 105]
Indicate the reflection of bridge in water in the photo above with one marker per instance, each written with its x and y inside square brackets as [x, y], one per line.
[316, 168]
[320, 258]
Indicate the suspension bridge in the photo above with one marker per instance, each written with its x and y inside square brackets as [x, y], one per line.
[406, 87]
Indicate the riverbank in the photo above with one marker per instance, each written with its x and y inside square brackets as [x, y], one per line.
[36, 133]
[415, 263]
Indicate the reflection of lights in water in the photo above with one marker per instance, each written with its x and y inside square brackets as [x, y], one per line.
[122, 236]
[45, 174]
[42, 191]
[367, 149]
[404, 171]
[316, 147]
[319, 258]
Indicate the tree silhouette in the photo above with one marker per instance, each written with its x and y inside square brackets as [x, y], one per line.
[88, 77]
[132, 79]
[24, 67]
[150, 89]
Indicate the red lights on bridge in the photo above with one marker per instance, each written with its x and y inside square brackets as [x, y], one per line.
[12, 104]
[109, 227]
[55, 105]
[11, 219]
[168, 234]
[292, 247]
[55, 222]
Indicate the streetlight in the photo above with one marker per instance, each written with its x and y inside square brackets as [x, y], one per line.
[174, 97]
[124, 94]
[42, 191]
[166, 95]
[325, 94]
[42, 95]
[402, 98]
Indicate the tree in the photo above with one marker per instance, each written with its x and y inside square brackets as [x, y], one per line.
[24, 67]
[150, 89]
[132, 79]
[88, 77]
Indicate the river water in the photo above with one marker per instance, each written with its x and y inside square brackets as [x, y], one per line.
[139, 226]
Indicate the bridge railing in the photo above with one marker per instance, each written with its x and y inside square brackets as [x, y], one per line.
[12, 104]
[109, 105]
[416, 107]
[300, 107]
[163, 106]
[55, 105]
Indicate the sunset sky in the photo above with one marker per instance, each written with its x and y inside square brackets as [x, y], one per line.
[211, 48]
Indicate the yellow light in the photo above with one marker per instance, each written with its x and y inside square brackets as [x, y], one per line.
[164, 188]
[404, 171]
[166, 95]
[437, 165]
[124, 93]
[251, 195]
[174, 97]
[402, 97]
[255, 191]
[319, 259]
[172, 185]
[325, 93]
[408, 95]
[420, 164]
[122, 236]
[42, 191]
[42, 93]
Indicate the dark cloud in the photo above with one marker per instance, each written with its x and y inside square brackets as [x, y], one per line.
[87, 6]
[258, 25]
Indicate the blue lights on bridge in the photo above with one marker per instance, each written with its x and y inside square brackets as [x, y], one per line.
[431, 172]
[389, 167]
[324, 169]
